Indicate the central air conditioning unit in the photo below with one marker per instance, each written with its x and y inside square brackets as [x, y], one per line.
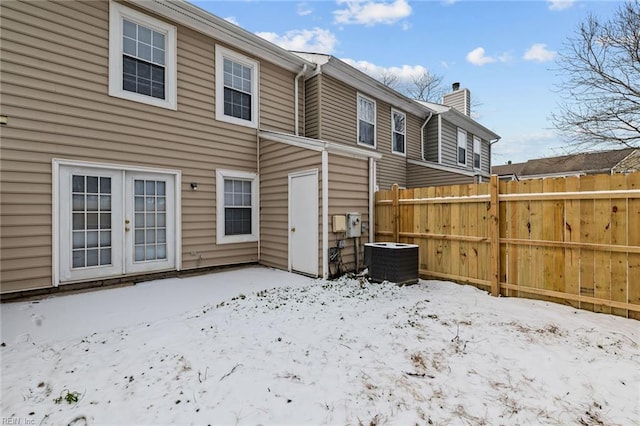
[393, 262]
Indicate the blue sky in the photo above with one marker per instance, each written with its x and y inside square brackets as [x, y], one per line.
[504, 52]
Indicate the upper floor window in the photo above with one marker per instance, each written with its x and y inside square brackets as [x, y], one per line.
[398, 132]
[236, 88]
[477, 153]
[366, 121]
[142, 57]
[462, 147]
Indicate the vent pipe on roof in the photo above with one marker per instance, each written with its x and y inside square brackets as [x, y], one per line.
[455, 86]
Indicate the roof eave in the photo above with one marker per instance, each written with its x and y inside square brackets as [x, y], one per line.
[197, 19]
[369, 85]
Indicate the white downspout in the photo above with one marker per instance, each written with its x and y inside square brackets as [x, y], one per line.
[422, 136]
[439, 139]
[296, 95]
[372, 193]
[325, 213]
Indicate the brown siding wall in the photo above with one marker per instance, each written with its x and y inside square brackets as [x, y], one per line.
[420, 176]
[54, 89]
[348, 193]
[277, 160]
[414, 142]
[312, 107]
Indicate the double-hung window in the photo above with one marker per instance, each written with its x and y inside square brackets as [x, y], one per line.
[462, 147]
[142, 57]
[477, 153]
[398, 132]
[236, 88]
[237, 206]
[366, 121]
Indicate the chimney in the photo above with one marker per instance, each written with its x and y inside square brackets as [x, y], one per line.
[459, 99]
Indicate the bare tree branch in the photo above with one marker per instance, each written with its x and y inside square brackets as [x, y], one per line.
[601, 82]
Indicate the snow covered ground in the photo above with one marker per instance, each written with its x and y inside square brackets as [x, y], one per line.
[259, 346]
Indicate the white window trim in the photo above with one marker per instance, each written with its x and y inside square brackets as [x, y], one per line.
[458, 146]
[221, 238]
[221, 53]
[477, 140]
[117, 13]
[393, 130]
[375, 116]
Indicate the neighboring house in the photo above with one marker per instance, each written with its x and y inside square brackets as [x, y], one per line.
[150, 137]
[456, 149]
[617, 161]
[421, 143]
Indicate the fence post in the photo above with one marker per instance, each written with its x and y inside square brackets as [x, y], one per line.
[494, 234]
[396, 212]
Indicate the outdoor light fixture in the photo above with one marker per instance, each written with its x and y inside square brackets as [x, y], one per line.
[194, 186]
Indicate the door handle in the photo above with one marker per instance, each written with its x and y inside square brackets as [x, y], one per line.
[126, 225]
[293, 229]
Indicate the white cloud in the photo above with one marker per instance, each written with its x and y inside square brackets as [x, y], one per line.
[232, 19]
[539, 53]
[478, 57]
[316, 40]
[304, 9]
[560, 4]
[405, 72]
[371, 12]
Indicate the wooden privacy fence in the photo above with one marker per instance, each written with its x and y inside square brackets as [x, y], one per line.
[573, 240]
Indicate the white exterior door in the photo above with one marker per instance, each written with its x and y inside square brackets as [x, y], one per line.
[149, 222]
[114, 222]
[303, 222]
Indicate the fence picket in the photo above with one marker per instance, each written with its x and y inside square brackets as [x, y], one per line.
[569, 240]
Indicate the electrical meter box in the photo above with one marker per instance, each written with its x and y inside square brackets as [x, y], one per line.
[354, 225]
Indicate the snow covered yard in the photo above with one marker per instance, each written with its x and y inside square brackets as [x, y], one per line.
[258, 346]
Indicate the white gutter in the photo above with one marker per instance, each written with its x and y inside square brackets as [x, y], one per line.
[325, 214]
[296, 106]
[422, 135]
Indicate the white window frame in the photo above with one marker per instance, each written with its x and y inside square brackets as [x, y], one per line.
[221, 238]
[477, 149]
[117, 13]
[462, 143]
[221, 53]
[393, 132]
[375, 114]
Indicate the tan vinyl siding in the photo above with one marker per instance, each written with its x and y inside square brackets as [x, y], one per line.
[312, 107]
[485, 149]
[277, 110]
[54, 89]
[449, 144]
[431, 141]
[277, 160]
[348, 193]
[421, 176]
[413, 137]
[338, 112]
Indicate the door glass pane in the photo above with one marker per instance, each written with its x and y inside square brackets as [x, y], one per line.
[90, 194]
[149, 220]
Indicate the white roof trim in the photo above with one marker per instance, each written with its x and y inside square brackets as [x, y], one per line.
[319, 145]
[448, 168]
[197, 19]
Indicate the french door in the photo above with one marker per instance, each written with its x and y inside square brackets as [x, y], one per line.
[115, 222]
